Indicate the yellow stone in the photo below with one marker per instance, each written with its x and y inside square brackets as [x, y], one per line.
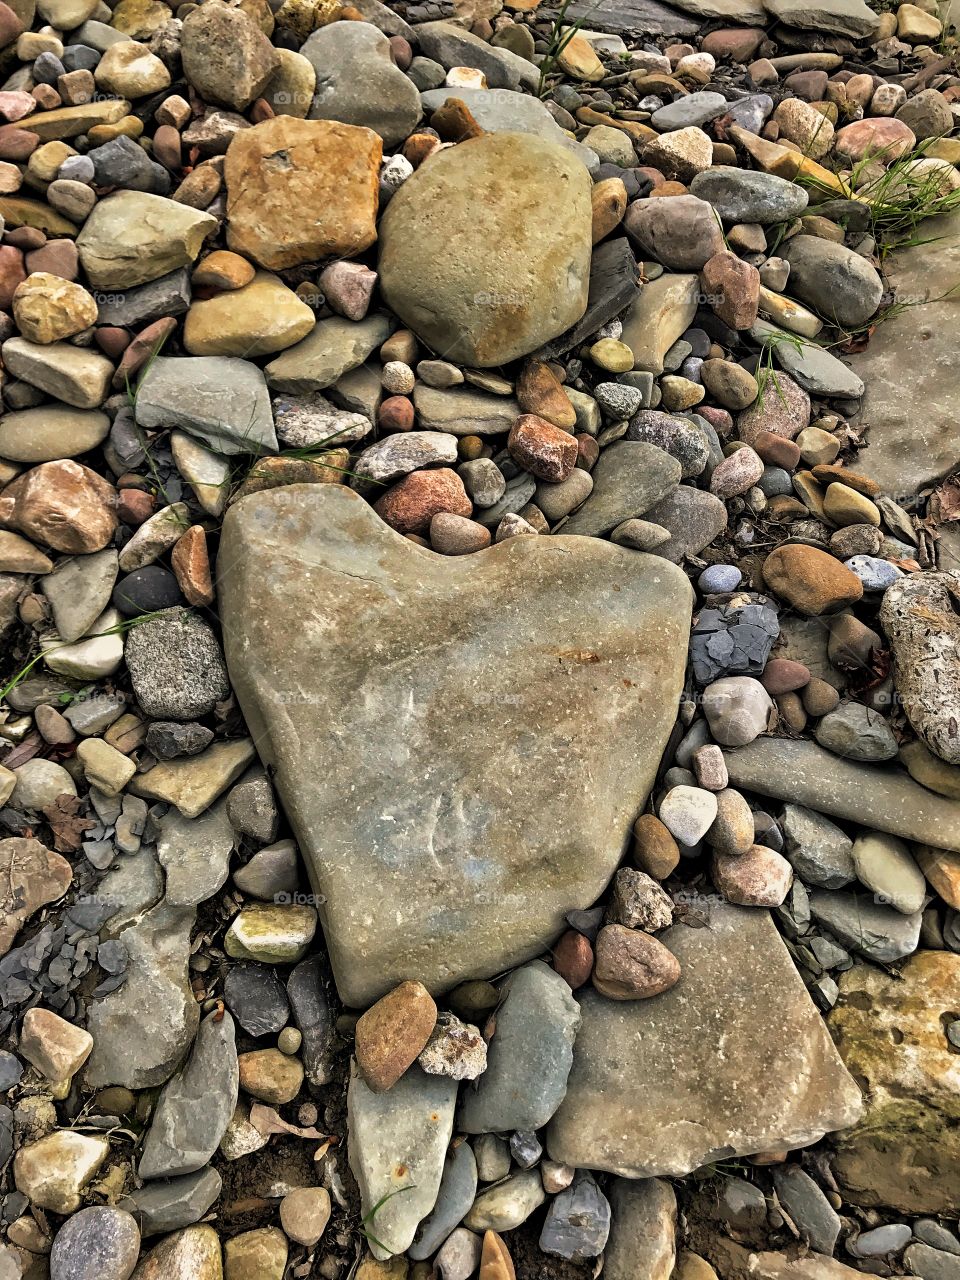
[258, 319]
[21, 211]
[70, 122]
[930, 771]
[612, 355]
[127, 127]
[578, 58]
[48, 308]
[47, 159]
[139, 19]
[942, 869]
[916, 26]
[773, 158]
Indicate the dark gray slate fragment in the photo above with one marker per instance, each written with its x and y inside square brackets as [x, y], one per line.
[257, 999]
[614, 283]
[458, 1189]
[311, 1012]
[175, 1203]
[578, 1221]
[168, 296]
[641, 17]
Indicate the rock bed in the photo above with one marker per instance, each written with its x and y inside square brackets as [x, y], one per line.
[636, 856]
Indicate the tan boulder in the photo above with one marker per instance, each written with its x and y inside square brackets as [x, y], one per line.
[258, 319]
[63, 505]
[48, 308]
[226, 57]
[302, 190]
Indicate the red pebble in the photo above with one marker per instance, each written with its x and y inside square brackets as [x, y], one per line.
[573, 959]
[17, 144]
[784, 675]
[112, 341]
[396, 414]
[401, 52]
[134, 506]
[776, 450]
[412, 503]
[588, 451]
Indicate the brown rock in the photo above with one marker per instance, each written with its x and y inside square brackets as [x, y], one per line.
[777, 451]
[454, 121]
[396, 413]
[320, 202]
[540, 392]
[544, 450]
[191, 566]
[608, 203]
[12, 274]
[57, 258]
[30, 876]
[942, 870]
[819, 698]
[63, 505]
[737, 473]
[495, 1260]
[830, 472]
[783, 675]
[226, 57]
[134, 506]
[147, 344]
[631, 965]
[811, 580]
[760, 877]
[275, 473]
[881, 137]
[223, 270]
[573, 958]
[733, 289]
[739, 44]
[654, 850]
[270, 1075]
[411, 504]
[392, 1034]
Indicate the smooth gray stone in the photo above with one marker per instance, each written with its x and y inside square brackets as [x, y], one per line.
[98, 1243]
[142, 1031]
[503, 110]
[398, 894]
[694, 110]
[814, 1215]
[333, 347]
[732, 1060]
[748, 195]
[628, 479]
[930, 1232]
[160, 1207]
[850, 18]
[409, 1125]
[358, 82]
[458, 1189]
[813, 367]
[454, 46]
[693, 518]
[881, 798]
[816, 848]
[838, 283]
[461, 411]
[529, 1056]
[221, 400]
[879, 932]
[79, 591]
[195, 1107]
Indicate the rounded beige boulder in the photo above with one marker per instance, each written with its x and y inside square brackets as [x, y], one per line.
[485, 250]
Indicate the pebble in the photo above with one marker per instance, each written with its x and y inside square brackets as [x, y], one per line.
[271, 933]
[455, 1049]
[176, 666]
[578, 1221]
[53, 1171]
[732, 831]
[881, 1241]
[270, 1075]
[760, 877]
[392, 1034]
[304, 1214]
[99, 1243]
[811, 580]
[738, 709]
[857, 733]
[632, 965]
[508, 1204]
[688, 813]
[884, 864]
[255, 1255]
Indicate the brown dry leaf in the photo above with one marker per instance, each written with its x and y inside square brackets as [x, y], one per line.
[266, 1121]
[859, 342]
[66, 824]
[947, 500]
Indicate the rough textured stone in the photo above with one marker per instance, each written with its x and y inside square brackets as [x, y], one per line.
[32, 876]
[302, 190]
[221, 399]
[132, 237]
[99, 1243]
[733, 1060]
[504, 910]
[226, 57]
[889, 1029]
[436, 271]
[191, 1254]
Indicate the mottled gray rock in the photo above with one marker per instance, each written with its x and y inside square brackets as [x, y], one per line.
[311, 1013]
[195, 1107]
[816, 848]
[693, 518]
[930, 1263]
[396, 455]
[98, 1243]
[529, 1056]
[578, 1221]
[733, 1059]
[195, 854]
[878, 932]
[252, 807]
[141, 1032]
[455, 46]
[837, 282]
[846, 17]
[748, 195]
[160, 1207]
[628, 479]
[410, 1125]
[458, 1188]
[221, 400]
[857, 733]
[447, 921]
[693, 109]
[271, 874]
[176, 666]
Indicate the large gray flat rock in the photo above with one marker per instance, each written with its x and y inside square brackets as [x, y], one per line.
[432, 724]
[646, 17]
[876, 796]
[912, 400]
[733, 1060]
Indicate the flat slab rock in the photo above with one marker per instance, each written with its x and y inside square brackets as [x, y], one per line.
[733, 1060]
[647, 16]
[464, 705]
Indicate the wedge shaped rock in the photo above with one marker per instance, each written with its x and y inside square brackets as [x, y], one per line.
[452, 696]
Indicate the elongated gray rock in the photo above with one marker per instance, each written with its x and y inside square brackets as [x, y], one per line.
[529, 1056]
[458, 1188]
[142, 1031]
[397, 1142]
[196, 1106]
[630, 477]
[450, 698]
[813, 367]
[733, 1060]
[879, 797]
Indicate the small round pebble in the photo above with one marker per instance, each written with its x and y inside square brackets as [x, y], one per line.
[881, 1241]
[453, 535]
[719, 578]
[397, 378]
[289, 1040]
[612, 355]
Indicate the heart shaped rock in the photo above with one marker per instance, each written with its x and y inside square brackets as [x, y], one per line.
[461, 745]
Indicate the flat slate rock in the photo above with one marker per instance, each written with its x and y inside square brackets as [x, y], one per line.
[449, 697]
[876, 796]
[911, 361]
[614, 284]
[733, 1060]
[645, 17]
